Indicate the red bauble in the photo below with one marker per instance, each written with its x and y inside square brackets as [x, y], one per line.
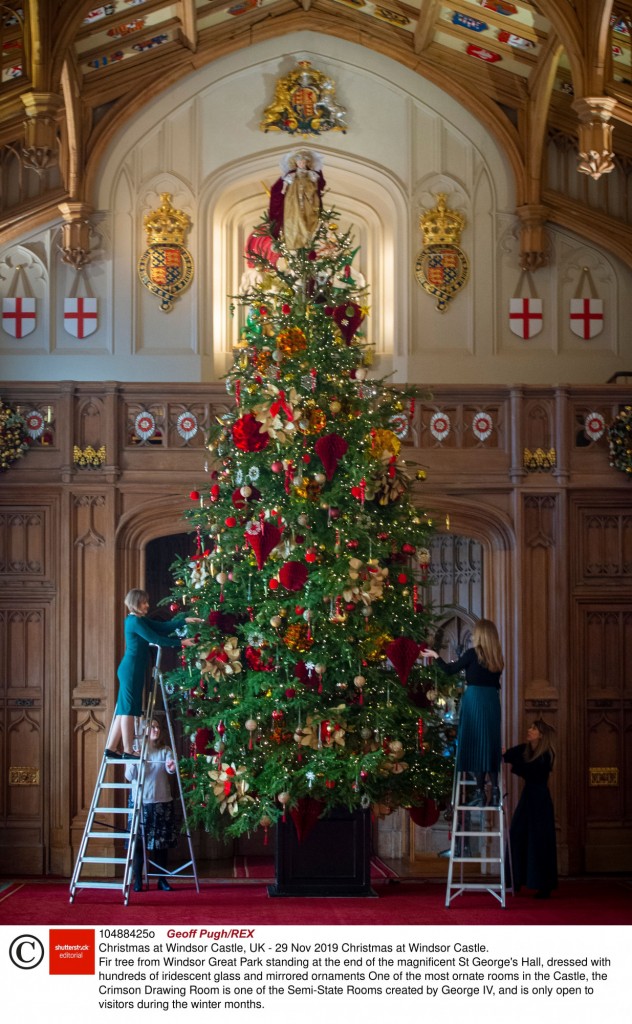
[285, 309]
[330, 783]
[273, 584]
[426, 815]
[352, 544]
[311, 556]
[194, 495]
[173, 607]
[230, 521]
[402, 578]
[247, 434]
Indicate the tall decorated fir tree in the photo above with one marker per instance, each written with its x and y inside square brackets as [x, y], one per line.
[306, 679]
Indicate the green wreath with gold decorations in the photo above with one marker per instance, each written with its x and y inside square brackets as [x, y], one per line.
[620, 441]
[14, 439]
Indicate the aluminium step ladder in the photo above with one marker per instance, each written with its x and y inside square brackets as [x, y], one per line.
[98, 831]
[470, 844]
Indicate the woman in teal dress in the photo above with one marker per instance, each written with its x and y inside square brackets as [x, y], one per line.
[140, 632]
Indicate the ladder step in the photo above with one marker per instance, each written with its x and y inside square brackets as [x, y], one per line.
[480, 886]
[98, 885]
[475, 810]
[116, 785]
[108, 835]
[477, 860]
[480, 834]
[113, 810]
[104, 860]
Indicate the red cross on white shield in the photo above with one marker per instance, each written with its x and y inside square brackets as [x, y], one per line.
[80, 316]
[525, 317]
[18, 316]
[586, 317]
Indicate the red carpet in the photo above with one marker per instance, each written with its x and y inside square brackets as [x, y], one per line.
[263, 868]
[576, 902]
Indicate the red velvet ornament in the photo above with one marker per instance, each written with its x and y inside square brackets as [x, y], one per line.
[348, 317]
[240, 502]
[426, 814]
[402, 578]
[266, 537]
[273, 584]
[247, 434]
[293, 575]
[285, 309]
[203, 739]
[330, 448]
[305, 815]
[258, 246]
[194, 495]
[402, 654]
[230, 521]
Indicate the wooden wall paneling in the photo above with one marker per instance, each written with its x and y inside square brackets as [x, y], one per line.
[27, 569]
[92, 675]
[602, 623]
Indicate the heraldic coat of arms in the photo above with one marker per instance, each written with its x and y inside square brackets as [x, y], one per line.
[166, 266]
[441, 267]
[304, 104]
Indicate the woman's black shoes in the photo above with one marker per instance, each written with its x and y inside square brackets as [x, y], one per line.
[164, 885]
[113, 753]
[129, 757]
[138, 885]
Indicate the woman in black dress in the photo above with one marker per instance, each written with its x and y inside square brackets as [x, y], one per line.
[479, 747]
[532, 830]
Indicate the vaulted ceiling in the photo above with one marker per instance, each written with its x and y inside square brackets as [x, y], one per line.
[72, 72]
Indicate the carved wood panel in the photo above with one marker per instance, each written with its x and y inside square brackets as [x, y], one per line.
[24, 544]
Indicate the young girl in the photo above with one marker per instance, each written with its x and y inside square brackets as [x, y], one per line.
[532, 831]
[479, 746]
[158, 810]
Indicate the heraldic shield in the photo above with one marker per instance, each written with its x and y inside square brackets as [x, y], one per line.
[166, 266]
[166, 270]
[442, 270]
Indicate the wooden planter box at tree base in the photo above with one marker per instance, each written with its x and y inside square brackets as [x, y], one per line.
[332, 859]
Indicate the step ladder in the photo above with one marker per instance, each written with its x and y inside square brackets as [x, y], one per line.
[98, 831]
[474, 831]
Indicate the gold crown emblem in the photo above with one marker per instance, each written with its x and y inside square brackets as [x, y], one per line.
[441, 225]
[166, 224]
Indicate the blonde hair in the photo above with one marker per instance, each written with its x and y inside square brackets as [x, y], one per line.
[544, 744]
[133, 600]
[487, 645]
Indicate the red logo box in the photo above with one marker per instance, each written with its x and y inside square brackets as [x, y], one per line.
[71, 951]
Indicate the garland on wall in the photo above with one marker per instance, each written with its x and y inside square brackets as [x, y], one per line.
[14, 439]
[620, 440]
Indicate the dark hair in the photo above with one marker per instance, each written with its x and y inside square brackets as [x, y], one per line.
[544, 744]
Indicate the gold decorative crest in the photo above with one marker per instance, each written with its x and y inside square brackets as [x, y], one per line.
[304, 104]
[441, 267]
[166, 266]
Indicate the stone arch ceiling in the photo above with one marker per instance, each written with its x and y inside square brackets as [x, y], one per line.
[73, 72]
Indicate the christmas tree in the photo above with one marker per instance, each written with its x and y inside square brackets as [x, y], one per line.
[306, 679]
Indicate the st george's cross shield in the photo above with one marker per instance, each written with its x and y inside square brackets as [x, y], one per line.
[586, 317]
[525, 317]
[80, 316]
[19, 316]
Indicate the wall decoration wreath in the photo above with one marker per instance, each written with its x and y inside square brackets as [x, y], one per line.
[620, 441]
[14, 440]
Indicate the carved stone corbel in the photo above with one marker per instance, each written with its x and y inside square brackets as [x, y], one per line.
[595, 135]
[535, 250]
[39, 150]
[75, 234]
